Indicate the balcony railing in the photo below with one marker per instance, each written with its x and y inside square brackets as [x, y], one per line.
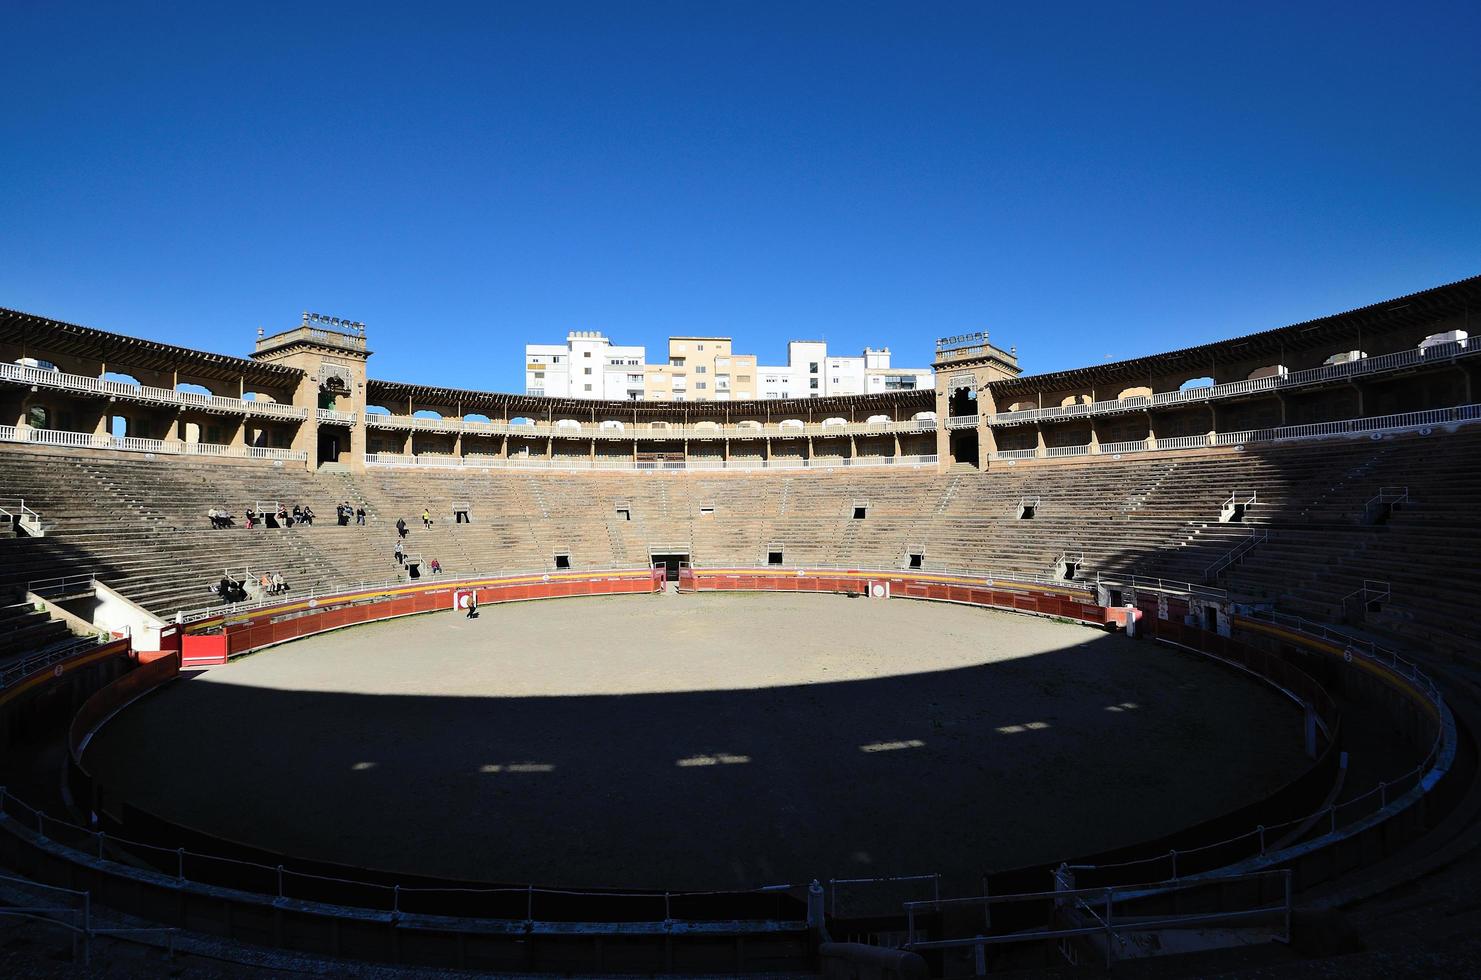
[315, 335]
[629, 430]
[331, 415]
[1405, 422]
[84, 384]
[135, 444]
[1398, 360]
[430, 461]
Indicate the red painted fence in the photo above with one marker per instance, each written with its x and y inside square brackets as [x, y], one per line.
[216, 639]
[1021, 597]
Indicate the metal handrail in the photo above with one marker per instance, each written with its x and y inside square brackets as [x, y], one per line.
[1257, 536]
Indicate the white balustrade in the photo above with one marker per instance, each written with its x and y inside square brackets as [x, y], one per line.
[43, 377]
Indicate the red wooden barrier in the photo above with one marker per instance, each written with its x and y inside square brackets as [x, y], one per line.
[1044, 600]
[252, 630]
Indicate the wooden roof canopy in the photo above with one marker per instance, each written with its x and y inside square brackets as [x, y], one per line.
[1338, 332]
[391, 394]
[120, 352]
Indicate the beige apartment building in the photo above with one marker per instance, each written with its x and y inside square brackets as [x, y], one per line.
[701, 369]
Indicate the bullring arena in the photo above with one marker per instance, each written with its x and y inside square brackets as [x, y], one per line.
[1167, 658]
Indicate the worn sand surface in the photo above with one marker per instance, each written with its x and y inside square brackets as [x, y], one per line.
[703, 741]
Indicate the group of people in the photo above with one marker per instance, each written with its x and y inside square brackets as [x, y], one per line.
[272, 583]
[229, 590]
[282, 517]
[220, 518]
[345, 512]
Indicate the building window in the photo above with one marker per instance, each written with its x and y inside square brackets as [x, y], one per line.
[812, 367]
[556, 359]
[835, 381]
[36, 418]
[700, 385]
[586, 353]
[701, 346]
[535, 392]
[586, 370]
[812, 382]
[701, 369]
[539, 374]
[587, 387]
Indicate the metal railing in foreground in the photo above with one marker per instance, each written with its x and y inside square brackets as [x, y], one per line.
[384, 586]
[655, 912]
[1276, 842]
[72, 911]
[1103, 914]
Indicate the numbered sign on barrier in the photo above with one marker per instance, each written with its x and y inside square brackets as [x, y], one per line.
[462, 598]
[879, 590]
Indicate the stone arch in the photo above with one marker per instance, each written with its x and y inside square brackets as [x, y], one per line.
[748, 424]
[1344, 356]
[1070, 401]
[121, 378]
[377, 410]
[1139, 391]
[474, 417]
[879, 420]
[1268, 371]
[1193, 384]
[834, 421]
[1022, 406]
[924, 417]
[427, 413]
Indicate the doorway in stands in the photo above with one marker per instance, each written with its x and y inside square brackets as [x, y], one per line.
[329, 445]
[964, 446]
[671, 562]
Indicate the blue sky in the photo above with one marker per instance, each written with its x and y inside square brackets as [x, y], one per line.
[1084, 181]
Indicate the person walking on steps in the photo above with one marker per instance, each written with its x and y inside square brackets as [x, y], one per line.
[400, 555]
[426, 517]
[401, 527]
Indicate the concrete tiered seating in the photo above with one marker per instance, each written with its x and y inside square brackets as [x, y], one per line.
[140, 524]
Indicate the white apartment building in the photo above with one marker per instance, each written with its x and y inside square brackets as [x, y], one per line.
[587, 365]
[811, 372]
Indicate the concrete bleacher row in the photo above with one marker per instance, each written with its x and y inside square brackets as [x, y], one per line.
[140, 524]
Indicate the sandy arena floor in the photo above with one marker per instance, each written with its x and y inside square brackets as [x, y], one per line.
[703, 741]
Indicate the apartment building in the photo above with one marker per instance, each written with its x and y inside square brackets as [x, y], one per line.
[707, 368]
[702, 369]
[811, 372]
[587, 365]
